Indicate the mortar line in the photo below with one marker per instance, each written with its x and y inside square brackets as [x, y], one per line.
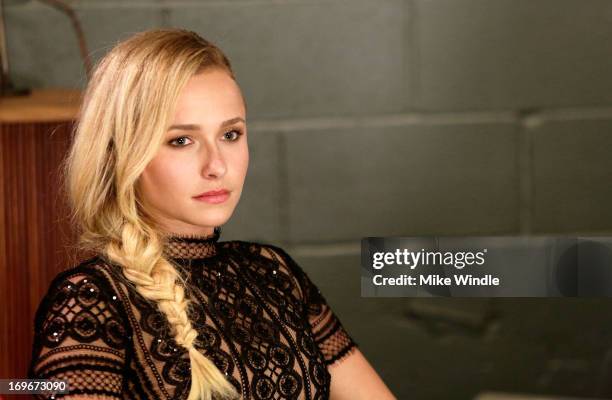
[526, 178]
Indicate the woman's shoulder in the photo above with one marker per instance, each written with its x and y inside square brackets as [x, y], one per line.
[87, 283]
[80, 325]
[93, 270]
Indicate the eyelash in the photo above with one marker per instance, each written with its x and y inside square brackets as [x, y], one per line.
[238, 134]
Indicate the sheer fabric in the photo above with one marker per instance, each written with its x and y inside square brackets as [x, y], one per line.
[259, 318]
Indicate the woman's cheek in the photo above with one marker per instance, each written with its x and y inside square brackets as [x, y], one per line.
[244, 159]
[170, 170]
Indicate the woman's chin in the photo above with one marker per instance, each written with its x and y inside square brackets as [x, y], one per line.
[211, 220]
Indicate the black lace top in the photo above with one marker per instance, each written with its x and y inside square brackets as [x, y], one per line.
[259, 318]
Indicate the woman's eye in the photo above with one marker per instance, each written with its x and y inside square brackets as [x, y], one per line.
[232, 135]
[181, 141]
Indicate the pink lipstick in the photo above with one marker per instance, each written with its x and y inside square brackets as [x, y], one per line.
[213, 196]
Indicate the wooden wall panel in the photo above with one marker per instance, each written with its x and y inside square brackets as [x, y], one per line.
[34, 232]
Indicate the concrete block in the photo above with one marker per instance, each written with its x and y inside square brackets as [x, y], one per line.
[309, 58]
[345, 184]
[479, 54]
[572, 176]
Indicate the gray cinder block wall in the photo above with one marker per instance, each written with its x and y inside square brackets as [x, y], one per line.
[405, 117]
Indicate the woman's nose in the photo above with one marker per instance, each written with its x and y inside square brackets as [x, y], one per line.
[214, 164]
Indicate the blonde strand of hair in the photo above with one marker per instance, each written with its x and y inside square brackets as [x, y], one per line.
[159, 283]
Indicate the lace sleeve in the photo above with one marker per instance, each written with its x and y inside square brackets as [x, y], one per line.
[333, 340]
[80, 335]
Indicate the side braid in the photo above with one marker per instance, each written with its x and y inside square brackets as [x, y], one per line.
[156, 279]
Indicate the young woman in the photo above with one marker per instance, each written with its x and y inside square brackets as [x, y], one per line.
[165, 310]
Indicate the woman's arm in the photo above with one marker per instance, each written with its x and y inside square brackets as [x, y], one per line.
[353, 378]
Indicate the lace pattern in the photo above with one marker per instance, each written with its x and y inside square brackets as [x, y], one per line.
[259, 318]
[80, 334]
[330, 336]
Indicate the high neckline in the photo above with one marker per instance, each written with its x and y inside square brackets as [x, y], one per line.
[182, 246]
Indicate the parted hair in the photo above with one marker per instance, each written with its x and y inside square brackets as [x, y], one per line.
[127, 107]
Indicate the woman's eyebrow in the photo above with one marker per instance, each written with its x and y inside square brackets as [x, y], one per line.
[195, 127]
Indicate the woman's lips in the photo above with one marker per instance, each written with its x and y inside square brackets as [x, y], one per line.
[213, 197]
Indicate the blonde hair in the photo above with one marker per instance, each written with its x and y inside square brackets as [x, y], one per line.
[126, 110]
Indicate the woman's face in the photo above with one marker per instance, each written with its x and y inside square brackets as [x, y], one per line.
[205, 149]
